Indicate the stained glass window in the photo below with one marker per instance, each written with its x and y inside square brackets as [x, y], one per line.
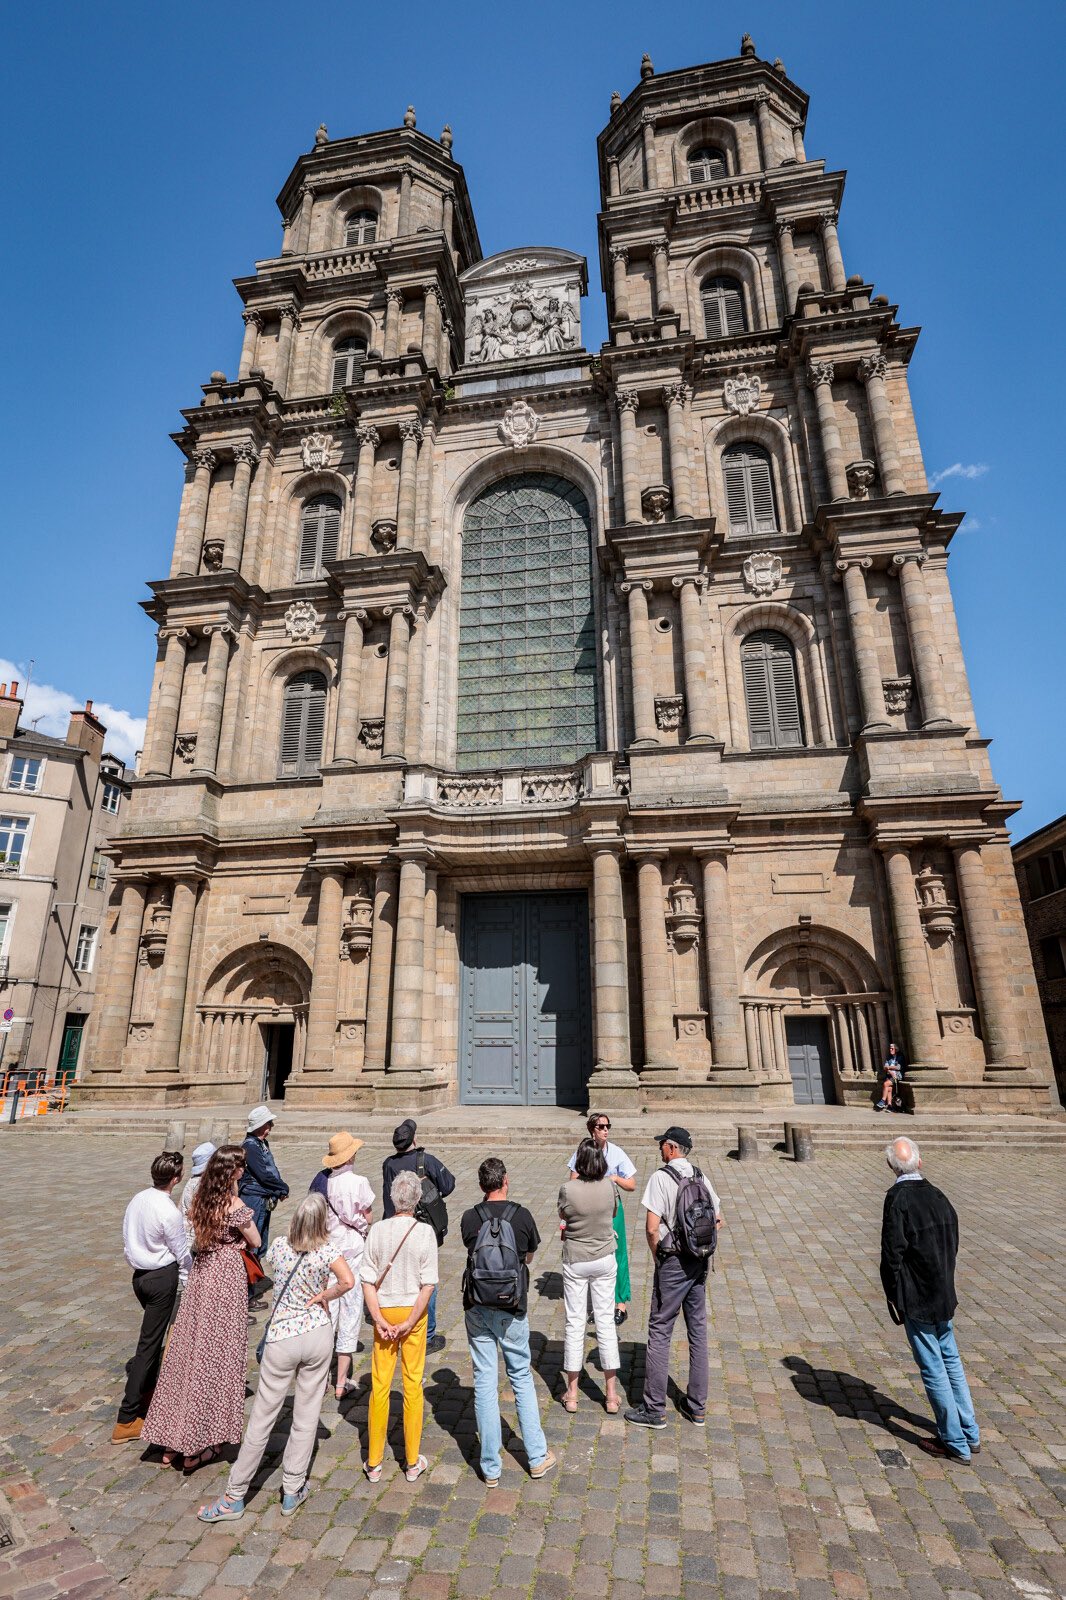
[527, 640]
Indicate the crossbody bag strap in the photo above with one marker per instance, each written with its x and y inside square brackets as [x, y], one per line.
[275, 1308]
[395, 1253]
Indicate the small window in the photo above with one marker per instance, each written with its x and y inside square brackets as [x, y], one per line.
[348, 357]
[25, 774]
[707, 164]
[1046, 874]
[86, 949]
[303, 727]
[768, 666]
[13, 834]
[112, 799]
[1053, 950]
[320, 531]
[749, 489]
[5, 923]
[360, 227]
[98, 871]
[723, 307]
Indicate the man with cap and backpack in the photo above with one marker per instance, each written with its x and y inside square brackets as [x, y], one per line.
[437, 1184]
[682, 1218]
[501, 1237]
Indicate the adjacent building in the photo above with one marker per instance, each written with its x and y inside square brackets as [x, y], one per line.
[1040, 862]
[59, 801]
[532, 723]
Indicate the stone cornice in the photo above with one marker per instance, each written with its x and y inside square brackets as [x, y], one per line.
[372, 582]
[656, 551]
[879, 529]
[212, 597]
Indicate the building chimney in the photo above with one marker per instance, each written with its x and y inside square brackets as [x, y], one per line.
[87, 732]
[10, 710]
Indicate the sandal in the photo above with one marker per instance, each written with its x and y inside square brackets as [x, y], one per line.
[612, 1407]
[570, 1403]
[412, 1474]
[204, 1459]
[373, 1474]
[348, 1388]
[225, 1509]
[169, 1458]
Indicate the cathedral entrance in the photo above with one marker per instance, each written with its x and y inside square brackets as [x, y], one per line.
[810, 1065]
[279, 1039]
[525, 1013]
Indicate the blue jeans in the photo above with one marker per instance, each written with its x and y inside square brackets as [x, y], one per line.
[261, 1218]
[940, 1365]
[431, 1315]
[489, 1330]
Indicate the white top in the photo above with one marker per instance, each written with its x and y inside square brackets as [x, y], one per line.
[153, 1234]
[660, 1197]
[415, 1265]
[350, 1200]
[618, 1163]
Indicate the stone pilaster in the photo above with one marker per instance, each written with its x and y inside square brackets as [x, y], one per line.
[408, 979]
[657, 984]
[416, 673]
[290, 321]
[613, 1069]
[303, 220]
[838, 278]
[864, 643]
[424, 489]
[647, 128]
[619, 281]
[325, 974]
[872, 370]
[431, 325]
[393, 308]
[253, 327]
[192, 521]
[912, 962]
[379, 982]
[820, 376]
[411, 438]
[368, 439]
[766, 130]
[403, 219]
[789, 270]
[219, 635]
[641, 685]
[694, 650]
[628, 401]
[174, 978]
[660, 257]
[399, 618]
[999, 1028]
[160, 745]
[676, 397]
[245, 458]
[113, 1007]
[720, 960]
[925, 655]
[346, 743]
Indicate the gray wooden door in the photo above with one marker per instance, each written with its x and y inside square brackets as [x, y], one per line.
[525, 1017]
[809, 1061]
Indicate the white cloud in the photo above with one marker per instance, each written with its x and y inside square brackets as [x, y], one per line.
[51, 708]
[959, 469]
[972, 524]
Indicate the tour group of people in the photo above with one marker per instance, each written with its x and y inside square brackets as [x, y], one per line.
[201, 1269]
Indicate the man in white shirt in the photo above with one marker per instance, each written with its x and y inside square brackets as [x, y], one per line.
[680, 1287]
[156, 1247]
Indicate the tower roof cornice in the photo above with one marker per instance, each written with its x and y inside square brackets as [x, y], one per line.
[716, 84]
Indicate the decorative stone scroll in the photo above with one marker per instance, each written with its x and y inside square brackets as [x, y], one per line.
[519, 425]
[742, 394]
[316, 449]
[301, 620]
[763, 572]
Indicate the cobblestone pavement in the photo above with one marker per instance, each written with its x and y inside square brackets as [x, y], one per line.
[807, 1480]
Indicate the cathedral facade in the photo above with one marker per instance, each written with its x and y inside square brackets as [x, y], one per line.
[531, 725]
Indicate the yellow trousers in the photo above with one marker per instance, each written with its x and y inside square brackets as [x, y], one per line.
[412, 1348]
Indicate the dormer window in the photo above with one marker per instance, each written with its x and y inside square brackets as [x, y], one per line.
[360, 227]
[348, 357]
[707, 164]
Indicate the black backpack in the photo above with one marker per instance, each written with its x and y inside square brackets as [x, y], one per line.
[431, 1207]
[695, 1229]
[494, 1269]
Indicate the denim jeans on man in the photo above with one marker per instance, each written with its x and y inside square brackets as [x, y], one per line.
[940, 1365]
[431, 1315]
[490, 1330]
[680, 1286]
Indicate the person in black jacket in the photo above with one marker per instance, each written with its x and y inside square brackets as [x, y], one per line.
[410, 1157]
[919, 1244]
[261, 1185]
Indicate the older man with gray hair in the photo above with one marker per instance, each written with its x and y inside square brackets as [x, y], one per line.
[919, 1244]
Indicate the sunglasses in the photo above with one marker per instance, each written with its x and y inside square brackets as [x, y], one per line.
[605, 1125]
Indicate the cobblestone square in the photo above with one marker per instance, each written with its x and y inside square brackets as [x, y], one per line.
[807, 1480]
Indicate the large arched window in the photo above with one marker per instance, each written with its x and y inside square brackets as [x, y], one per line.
[749, 489]
[303, 725]
[348, 357]
[707, 164]
[360, 227]
[527, 640]
[768, 665]
[320, 531]
[723, 307]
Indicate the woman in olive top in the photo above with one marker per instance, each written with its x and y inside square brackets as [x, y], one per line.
[623, 1174]
[586, 1205]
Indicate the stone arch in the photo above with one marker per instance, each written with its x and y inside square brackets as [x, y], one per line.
[776, 440]
[508, 463]
[305, 486]
[705, 130]
[359, 197]
[736, 259]
[810, 667]
[342, 322]
[282, 666]
[249, 989]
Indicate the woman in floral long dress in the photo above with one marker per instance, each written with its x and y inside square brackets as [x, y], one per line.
[198, 1405]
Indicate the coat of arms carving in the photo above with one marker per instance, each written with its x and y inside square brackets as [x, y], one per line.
[317, 450]
[301, 620]
[519, 424]
[742, 394]
[762, 572]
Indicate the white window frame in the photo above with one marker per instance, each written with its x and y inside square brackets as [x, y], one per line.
[5, 867]
[84, 963]
[111, 789]
[25, 788]
[8, 909]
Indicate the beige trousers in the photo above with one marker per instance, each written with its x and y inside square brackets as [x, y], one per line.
[305, 1357]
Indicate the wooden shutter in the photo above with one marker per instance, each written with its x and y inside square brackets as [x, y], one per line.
[303, 724]
[360, 228]
[320, 527]
[771, 691]
[784, 690]
[345, 356]
[757, 696]
[749, 489]
[706, 165]
[735, 491]
[723, 307]
[762, 494]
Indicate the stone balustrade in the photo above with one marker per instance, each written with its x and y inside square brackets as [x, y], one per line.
[495, 790]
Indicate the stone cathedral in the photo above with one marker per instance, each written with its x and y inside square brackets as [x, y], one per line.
[532, 725]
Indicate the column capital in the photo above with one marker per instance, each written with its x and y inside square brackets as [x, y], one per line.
[361, 616]
[677, 394]
[246, 452]
[307, 192]
[226, 629]
[783, 226]
[661, 247]
[411, 429]
[289, 313]
[365, 434]
[618, 252]
[255, 317]
[204, 460]
[819, 372]
[827, 219]
[431, 291]
[184, 634]
[606, 847]
[697, 580]
[635, 583]
[710, 852]
[647, 118]
[864, 562]
[917, 556]
[394, 297]
[627, 399]
[641, 853]
[761, 97]
[407, 611]
[872, 365]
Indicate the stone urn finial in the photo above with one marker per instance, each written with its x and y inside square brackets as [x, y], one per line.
[616, 103]
[934, 907]
[647, 70]
[683, 917]
[747, 47]
[322, 136]
[446, 138]
[409, 120]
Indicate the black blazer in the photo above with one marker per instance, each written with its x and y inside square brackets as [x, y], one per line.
[919, 1244]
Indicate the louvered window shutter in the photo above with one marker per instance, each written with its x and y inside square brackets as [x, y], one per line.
[757, 696]
[749, 489]
[771, 691]
[360, 228]
[290, 728]
[320, 527]
[723, 307]
[788, 726]
[706, 165]
[303, 724]
[346, 356]
[735, 493]
[331, 532]
[314, 728]
[762, 494]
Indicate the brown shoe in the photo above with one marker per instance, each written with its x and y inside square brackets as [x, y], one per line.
[126, 1432]
[542, 1468]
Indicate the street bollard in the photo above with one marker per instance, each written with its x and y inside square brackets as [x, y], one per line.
[788, 1138]
[747, 1145]
[175, 1138]
[219, 1134]
[802, 1143]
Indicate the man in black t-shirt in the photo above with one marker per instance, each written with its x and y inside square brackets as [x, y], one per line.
[492, 1329]
[410, 1157]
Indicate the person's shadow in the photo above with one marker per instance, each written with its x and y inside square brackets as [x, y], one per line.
[856, 1400]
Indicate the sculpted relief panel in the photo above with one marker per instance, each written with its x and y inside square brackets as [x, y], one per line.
[523, 304]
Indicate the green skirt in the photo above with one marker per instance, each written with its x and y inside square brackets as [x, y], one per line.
[622, 1291]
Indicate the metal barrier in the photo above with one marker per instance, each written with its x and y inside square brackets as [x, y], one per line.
[32, 1097]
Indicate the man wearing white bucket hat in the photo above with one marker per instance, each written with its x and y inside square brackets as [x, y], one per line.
[262, 1185]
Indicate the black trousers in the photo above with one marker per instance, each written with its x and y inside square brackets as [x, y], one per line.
[156, 1290]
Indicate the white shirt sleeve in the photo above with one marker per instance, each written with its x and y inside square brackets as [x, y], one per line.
[427, 1267]
[623, 1166]
[176, 1237]
[652, 1198]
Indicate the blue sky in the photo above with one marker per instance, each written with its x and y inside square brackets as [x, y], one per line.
[145, 145]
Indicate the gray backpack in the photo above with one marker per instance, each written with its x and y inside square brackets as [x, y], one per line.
[494, 1269]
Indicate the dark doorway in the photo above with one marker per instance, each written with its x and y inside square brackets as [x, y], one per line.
[809, 1060]
[525, 1031]
[278, 1038]
[70, 1049]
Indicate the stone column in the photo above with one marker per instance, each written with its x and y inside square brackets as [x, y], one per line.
[627, 401]
[614, 186]
[429, 969]
[677, 396]
[431, 325]
[192, 524]
[411, 436]
[647, 125]
[446, 336]
[392, 745]
[214, 698]
[789, 270]
[407, 985]
[393, 307]
[697, 691]
[723, 991]
[245, 457]
[379, 981]
[609, 969]
[820, 378]
[642, 688]
[657, 980]
[257, 505]
[174, 978]
[283, 358]
[872, 370]
[619, 270]
[368, 440]
[303, 220]
[325, 974]
[447, 219]
[766, 130]
[751, 1038]
[925, 657]
[167, 704]
[660, 255]
[985, 941]
[403, 220]
[838, 278]
[346, 743]
[424, 489]
[120, 973]
[864, 644]
[253, 327]
[416, 670]
[912, 960]
[797, 143]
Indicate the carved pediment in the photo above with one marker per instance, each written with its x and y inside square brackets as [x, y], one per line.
[523, 303]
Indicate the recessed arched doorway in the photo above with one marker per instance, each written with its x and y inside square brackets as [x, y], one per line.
[253, 1020]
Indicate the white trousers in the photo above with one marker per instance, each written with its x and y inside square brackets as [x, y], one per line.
[583, 1277]
[346, 1315]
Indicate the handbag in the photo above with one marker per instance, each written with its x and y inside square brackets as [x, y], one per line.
[261, 1346]
[252, 1268]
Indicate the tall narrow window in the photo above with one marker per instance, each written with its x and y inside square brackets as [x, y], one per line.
[749, 489]
[360, 227]
[13, 834]
[768, 665]
[303, 725]
[348, 357]
[25, 774]
[98, 870]
[707, 164]
[86, 949]
[111, 799]
[320, 531]
[723, 307]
